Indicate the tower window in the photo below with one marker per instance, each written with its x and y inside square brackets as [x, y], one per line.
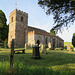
[12, 19]
[22, 18]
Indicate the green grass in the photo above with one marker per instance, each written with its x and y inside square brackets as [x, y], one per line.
[56, 62]
[67, 43]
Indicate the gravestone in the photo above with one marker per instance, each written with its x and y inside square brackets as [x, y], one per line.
[69, 47]
[74, 48]
[36, 53]
[25, 46]
[42, 46]
[44, 49]
[49, 45]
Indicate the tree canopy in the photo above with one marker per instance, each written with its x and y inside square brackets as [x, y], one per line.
[2, 19]
[52, 32]
[3, 26]
[63, 12]
[73, 40]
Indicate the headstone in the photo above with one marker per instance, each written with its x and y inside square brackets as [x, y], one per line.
[74, 48]
[69, 47]
[12, 56]
[44, 49]
[49, 45]
[25, 46]
[36, 53]
[42, 46]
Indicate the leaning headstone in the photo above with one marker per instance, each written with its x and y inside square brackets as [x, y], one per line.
[12, 56]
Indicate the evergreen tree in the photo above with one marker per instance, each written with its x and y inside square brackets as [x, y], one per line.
[73, 40]
[3, 26]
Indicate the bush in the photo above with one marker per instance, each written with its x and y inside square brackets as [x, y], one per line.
[73, 40]
[6, 43]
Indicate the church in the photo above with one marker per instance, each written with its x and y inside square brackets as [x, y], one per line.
[27, 35]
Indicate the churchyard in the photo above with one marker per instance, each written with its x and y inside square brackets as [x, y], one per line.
[55, 62]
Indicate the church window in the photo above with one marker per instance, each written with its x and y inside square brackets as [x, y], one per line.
[12, 19]
[22, 18]
[46, 40]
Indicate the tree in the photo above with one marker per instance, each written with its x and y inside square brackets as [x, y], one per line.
[2, 19]
[63, 12]
[73, 40]
[3, 26]
[52, 32]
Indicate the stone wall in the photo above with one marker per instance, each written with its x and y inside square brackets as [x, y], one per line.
[17, 27]
[31, 40]
[24, 34]
[12, 27]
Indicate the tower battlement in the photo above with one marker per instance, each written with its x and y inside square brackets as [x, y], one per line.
[16, 10]
[18, 22]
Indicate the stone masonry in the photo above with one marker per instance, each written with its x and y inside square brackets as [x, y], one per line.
[24, 34]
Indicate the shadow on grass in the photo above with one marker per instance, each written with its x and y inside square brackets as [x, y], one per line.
[20, 53]
[24, 64]
[50, 59]
[20, 69]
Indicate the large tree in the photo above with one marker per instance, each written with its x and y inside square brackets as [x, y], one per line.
[3, 26]
[73, 40]
[62, 10]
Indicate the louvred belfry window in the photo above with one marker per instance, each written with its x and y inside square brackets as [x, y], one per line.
[22, 18]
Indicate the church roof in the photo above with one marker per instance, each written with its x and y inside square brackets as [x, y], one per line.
[37, 30]
[41, 32]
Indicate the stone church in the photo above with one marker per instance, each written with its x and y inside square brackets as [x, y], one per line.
[27, 35]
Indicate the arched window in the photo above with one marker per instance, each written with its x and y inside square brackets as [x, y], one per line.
[12, 19]
[46, 40]
[22, 18]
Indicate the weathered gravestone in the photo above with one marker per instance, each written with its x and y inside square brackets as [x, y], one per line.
[69, 47]
[74, 48]
[36, 53]
[44, 49]
[49, 45]
[12, 56]
[42, 46]
[25, 46]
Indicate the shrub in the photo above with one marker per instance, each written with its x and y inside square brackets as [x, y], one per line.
[6, 43]
[73, 40]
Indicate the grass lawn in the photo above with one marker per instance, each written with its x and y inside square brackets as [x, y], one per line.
[68, 43]
[56, 62]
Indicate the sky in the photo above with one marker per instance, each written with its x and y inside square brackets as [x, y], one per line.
[36, 16]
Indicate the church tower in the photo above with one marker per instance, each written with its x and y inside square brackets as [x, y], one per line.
[18, 23]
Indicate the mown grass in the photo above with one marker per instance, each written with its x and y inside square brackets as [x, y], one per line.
[68, 43]
[56, 62]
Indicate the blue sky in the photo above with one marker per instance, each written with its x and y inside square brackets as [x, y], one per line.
[36, 16]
